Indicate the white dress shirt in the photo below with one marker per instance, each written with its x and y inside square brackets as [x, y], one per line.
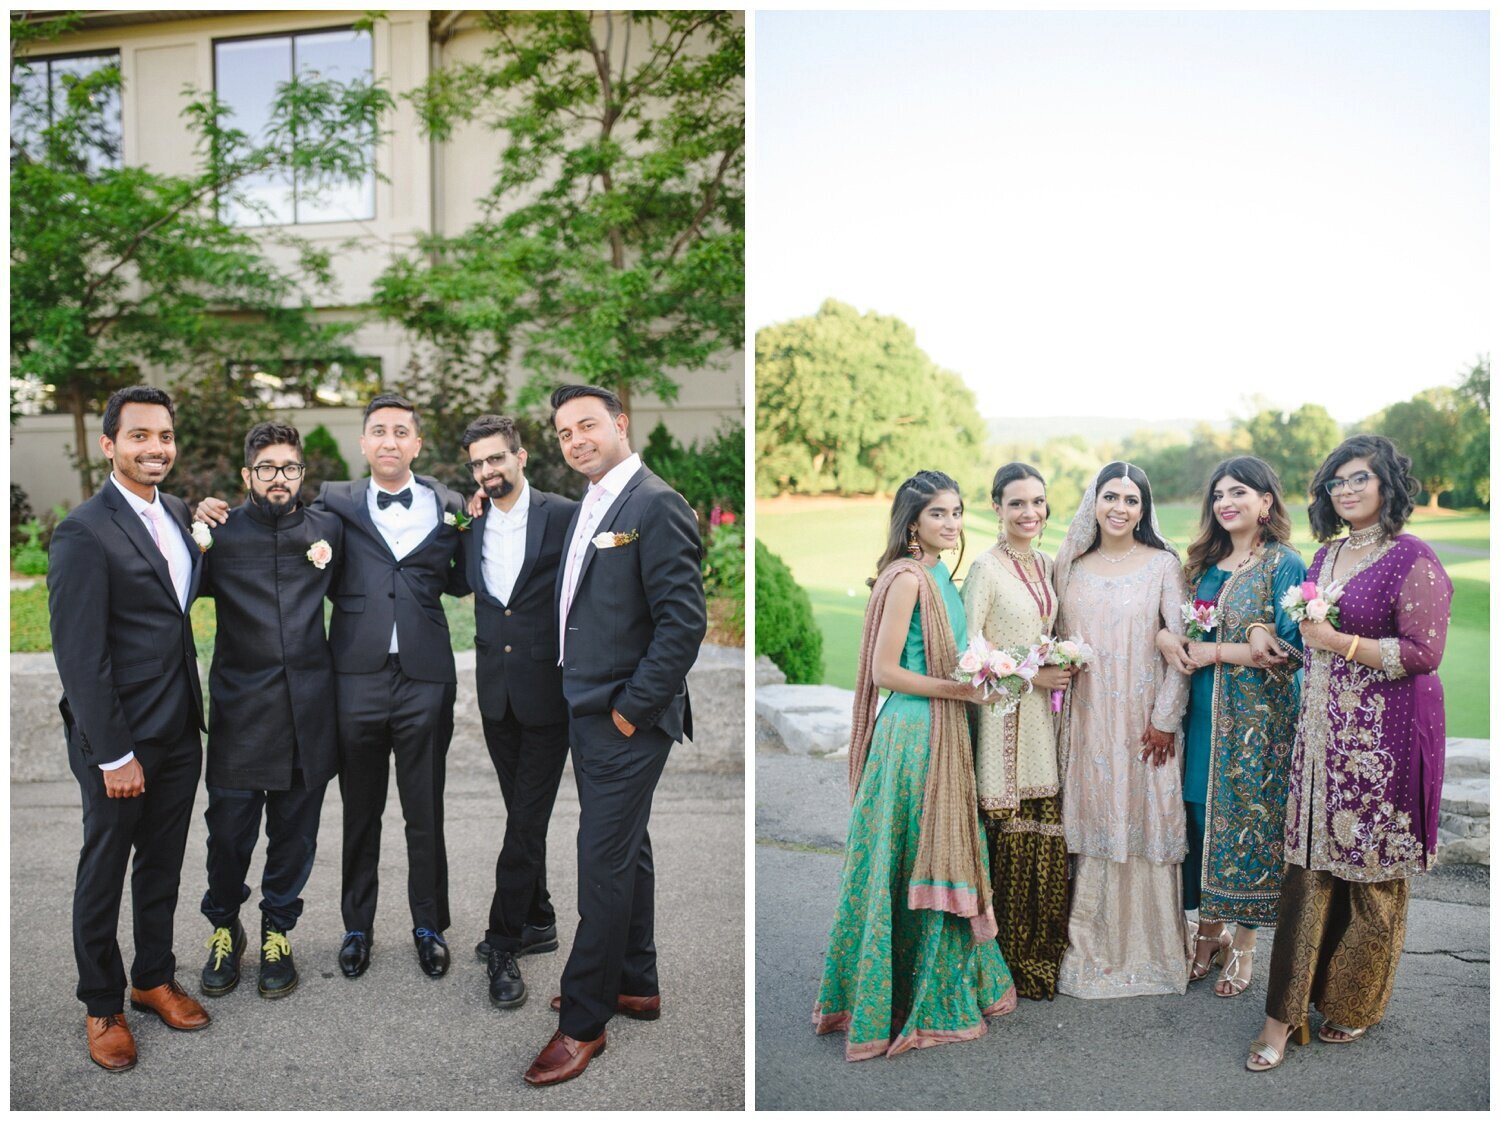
[181, 565]
[404, 528]
[505, 545]
[597, 500]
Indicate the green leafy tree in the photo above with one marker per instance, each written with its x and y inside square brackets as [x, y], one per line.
[611, 248]
[849, 403]
[1294, 443]
[1430, 428]
[114, 268]
[1474, 402]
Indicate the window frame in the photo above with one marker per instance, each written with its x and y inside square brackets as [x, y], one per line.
[116, 53]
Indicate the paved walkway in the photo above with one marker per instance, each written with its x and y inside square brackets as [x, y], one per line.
[1155, 1053]
[394, 1039]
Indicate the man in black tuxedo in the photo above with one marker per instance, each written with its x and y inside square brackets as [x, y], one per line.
[123, 572]
[512, 553]
[631, 617]
[272, 736]
[394, 673]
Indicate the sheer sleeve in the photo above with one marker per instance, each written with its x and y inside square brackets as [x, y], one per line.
[978, 593]
[1422, 608]
[1171, 690]
[1290, 571]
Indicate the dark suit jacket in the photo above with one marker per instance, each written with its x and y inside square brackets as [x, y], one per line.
[515, 642]
[123, 646]
[375, 591]
[638, 614]
[272, 674]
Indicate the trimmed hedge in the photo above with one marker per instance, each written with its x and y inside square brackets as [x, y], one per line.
[785, 630]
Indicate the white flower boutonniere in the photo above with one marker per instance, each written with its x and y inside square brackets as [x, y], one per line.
[320, 553]
[459, 521]
[611, 540]
[202, 537]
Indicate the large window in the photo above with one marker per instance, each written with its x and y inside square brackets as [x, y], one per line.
[42, 97]
[246, 74]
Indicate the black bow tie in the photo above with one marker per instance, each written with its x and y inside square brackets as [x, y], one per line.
[384, 498]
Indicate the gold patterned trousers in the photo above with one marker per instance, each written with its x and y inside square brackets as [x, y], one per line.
[1337, 947]
[1029, 870]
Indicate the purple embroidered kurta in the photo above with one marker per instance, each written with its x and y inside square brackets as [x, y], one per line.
[1367, 765]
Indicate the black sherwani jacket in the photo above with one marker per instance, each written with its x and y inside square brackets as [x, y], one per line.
[375, 591]
[515, 642]
[123, 645]
[271, 684]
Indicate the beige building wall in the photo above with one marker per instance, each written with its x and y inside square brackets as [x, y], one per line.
[426, 187]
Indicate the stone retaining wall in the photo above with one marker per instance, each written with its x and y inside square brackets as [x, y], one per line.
[716, 683]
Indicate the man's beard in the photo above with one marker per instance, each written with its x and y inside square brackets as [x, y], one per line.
[272, 507]
[499, 488]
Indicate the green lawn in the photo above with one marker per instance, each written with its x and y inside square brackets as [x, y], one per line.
[832, 546]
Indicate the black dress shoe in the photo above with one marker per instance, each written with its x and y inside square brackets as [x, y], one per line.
[278, 973]
[354, 954]
[507, 990]
[432, 951]
[534, 940]
[221, 973]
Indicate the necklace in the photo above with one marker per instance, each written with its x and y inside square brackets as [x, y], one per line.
[1360, 538]
[1014, 553]
[1121, 557]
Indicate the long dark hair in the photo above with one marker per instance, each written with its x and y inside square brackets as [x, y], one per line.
[1143, 533]
[1212, 543]
[912, 497]
[1014, 473]
[1398, 490]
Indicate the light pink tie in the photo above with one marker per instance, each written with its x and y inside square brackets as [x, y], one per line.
[575, 562]
[156, 520]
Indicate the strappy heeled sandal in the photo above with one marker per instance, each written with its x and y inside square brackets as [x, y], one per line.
[1352, 1033]
[1230, 974]
[1260, 1049]
[1199, 970]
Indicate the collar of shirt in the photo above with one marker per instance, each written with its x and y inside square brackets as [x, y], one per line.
[617, 476]
[137, 503]
[517, 513]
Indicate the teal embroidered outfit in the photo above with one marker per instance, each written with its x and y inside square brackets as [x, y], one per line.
[1240, 725]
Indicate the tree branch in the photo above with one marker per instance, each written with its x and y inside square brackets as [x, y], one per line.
[710, 196]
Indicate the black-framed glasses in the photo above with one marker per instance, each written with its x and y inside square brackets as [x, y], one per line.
[1355, 483]
[497, 461]
[266, 472]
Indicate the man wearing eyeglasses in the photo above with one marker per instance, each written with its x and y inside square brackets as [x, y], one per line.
[273, 736]
[511, 558]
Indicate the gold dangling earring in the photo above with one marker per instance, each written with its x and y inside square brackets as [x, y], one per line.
[913, 546]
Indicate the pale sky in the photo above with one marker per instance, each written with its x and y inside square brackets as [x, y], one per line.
[1151, 214]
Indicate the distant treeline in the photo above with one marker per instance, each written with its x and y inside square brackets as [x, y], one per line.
[849, 404]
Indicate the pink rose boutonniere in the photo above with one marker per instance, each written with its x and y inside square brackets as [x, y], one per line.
[320, 554]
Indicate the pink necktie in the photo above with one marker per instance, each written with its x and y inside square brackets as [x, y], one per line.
[575, 562]
[155, 519]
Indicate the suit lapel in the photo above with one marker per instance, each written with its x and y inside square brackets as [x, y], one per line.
[536, 524]
[195, 554]
[441, 493]
[606, 523]
[135, 529]
[359, 495]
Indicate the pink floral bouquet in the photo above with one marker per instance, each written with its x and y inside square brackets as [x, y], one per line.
[1308, 601]
[1004, 673]
[1068, 652]
[1201, 616]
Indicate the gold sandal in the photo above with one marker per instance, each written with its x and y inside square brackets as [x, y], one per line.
[1198, 970]
[1352, 1033]
[1260, 1049]
[1230, 974]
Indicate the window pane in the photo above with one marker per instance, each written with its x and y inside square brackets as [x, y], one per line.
[246, 75]
[344, 56]
[102, 139]
[29, 109]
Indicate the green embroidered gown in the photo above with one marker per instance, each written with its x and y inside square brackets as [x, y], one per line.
[895, 978]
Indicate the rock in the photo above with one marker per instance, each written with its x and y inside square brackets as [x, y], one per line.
[767, 672]
[1463, 850]
[808, 719]
[1466, 759]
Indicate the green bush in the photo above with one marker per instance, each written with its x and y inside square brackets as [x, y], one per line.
[325, 463]
[784, 628]
[724, 574]
[709, 474]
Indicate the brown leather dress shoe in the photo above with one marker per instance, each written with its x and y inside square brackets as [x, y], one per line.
[636, 1007]
[110, 1043]
[174, 1006]
[563, 1058]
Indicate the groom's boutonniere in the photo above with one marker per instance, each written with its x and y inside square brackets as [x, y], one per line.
[202, 537]
[459, 521]
[610, 540]
[320, 554]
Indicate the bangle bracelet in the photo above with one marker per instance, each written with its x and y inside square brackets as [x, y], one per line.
[1353, 646]
[1264, 626]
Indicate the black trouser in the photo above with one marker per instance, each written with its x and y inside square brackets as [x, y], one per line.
[233, 818]
[382, 714]
[614, 950]
[155, 825]
[529, 761]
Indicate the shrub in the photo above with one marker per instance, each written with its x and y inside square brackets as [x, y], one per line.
[784, 627]
[325, 463]
[20, 511]
[709, 474]
[724, 575]
[31, 540]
